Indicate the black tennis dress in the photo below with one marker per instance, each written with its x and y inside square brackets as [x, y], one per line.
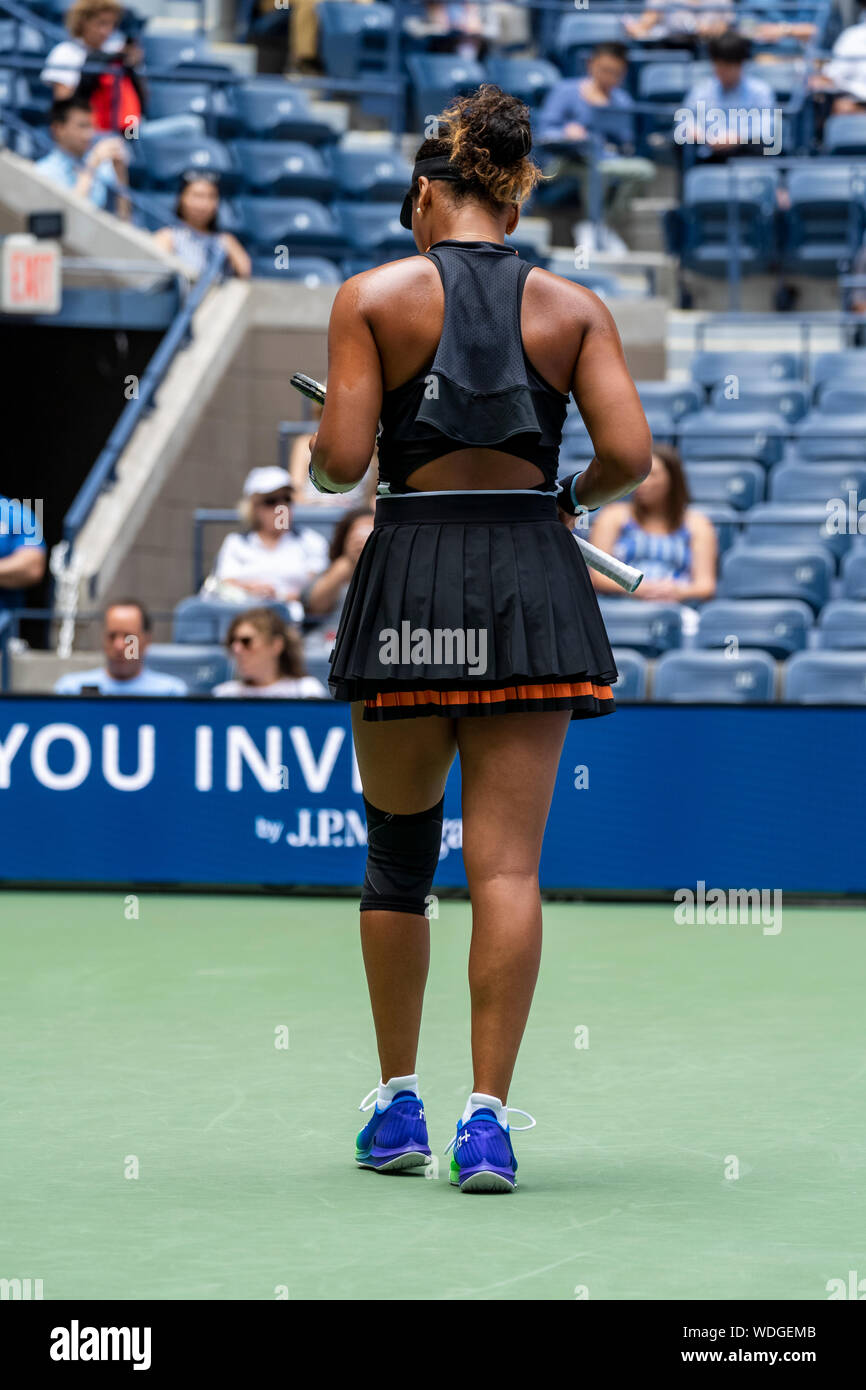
[472, 603]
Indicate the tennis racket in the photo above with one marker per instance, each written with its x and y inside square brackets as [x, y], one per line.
[626, 576]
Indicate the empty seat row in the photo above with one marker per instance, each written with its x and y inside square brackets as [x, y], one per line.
[750, 677]
[292, 167]
[727, 211]
[780, 626]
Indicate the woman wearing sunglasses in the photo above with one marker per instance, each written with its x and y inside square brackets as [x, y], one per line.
[269, 660]
[272, 558]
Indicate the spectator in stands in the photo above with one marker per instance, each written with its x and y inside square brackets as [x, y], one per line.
[197, 207]
[93, 171]
[656, 530]
[272, 558]
[596, 108]
[299, 467]
[269, 659]
[118, 95]
[845, 74]
[680, 23]
[717, 105]
[22, 552]
[323, 598]
[125, 640]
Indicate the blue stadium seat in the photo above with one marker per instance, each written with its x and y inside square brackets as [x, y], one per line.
[306, 270]
[854, 574]
[740, 485]
[287, 168]
[777, 626]
[167, 51]
[376, 176]
[21, 38]
[842, 626]
[528, 79]
[792, 523]
[437, 78]
[754, 435]
[674, 398]
[204, 621]
[847, 399]
[777, 572]
[832, 438]
[845, 135]
[353, 39]
[201, 667]
[577, 35]
[666, 82]
[825, 678]
[790, 399]
[374, 228]
[826, 220]
[832, 369]
[816, 482]
[711, 368]
[714, 678]
[301, 224]
[648, 628]
[632, 682]
[160, 162]
[270, 109]
[703, 220]
[178, 99]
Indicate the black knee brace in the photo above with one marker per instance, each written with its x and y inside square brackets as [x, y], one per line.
[402, 854]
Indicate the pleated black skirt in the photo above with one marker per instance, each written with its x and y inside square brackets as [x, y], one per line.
[471, 604]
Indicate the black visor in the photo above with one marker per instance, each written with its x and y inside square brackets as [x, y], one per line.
[437, 167]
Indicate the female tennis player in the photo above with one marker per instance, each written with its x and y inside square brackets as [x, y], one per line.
[470, 626]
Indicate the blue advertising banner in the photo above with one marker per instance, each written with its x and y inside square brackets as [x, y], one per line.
[211, 792]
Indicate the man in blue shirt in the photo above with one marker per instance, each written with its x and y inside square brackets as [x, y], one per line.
[91, 170]
[595, 115]
[729, 113]
[125, 640]
[22, 552]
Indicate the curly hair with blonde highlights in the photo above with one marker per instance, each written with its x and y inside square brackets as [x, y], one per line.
[488, 136]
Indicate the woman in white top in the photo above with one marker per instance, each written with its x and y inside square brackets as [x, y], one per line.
[272, 558]
[269, 659]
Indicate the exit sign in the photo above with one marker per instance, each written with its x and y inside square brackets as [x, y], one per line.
[30, 280]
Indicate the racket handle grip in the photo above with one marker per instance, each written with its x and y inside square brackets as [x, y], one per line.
[626, 576]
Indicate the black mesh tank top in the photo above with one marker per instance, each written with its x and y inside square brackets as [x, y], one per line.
[480, 388]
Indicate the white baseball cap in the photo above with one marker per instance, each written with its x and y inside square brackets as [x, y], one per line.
[261, 481]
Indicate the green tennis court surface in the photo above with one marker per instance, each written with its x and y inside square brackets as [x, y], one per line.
[153, 1042]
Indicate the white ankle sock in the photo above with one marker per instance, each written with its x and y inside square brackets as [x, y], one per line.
[479, 1101]
[388, 1091]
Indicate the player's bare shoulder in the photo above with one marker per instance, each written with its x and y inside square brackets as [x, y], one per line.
[564, 302]
[406, 283]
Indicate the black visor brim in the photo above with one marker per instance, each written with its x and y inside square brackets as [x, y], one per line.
[406, 212]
